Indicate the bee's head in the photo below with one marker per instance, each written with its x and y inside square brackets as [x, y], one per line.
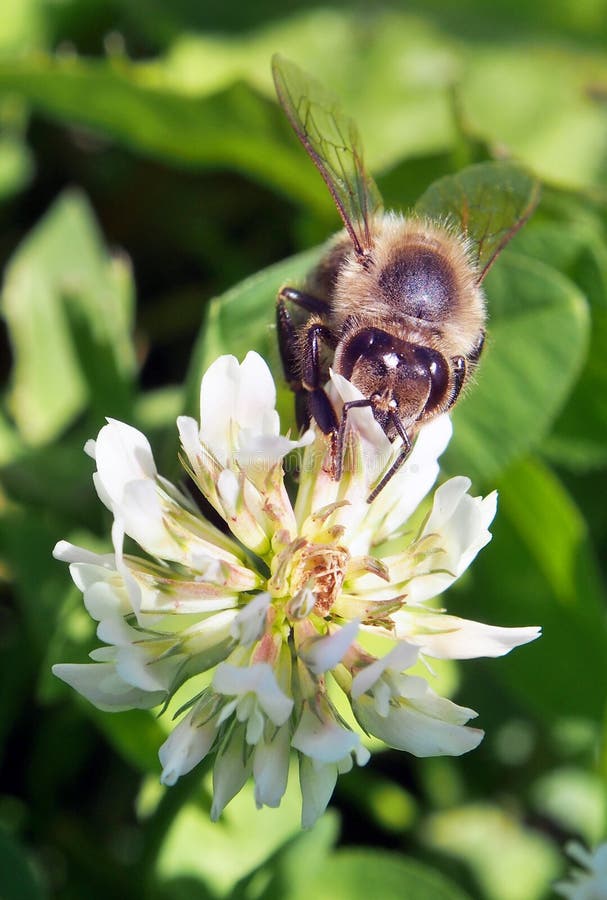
[400, 378]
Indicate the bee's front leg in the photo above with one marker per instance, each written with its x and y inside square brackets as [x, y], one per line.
[312, 377]
[301, 358]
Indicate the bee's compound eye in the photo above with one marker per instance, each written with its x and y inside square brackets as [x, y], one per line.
[438, 372]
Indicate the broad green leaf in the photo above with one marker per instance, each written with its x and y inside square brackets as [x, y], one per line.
[236, 845]
[234, 128]
[537, 339]
[487, 202]
[570, 236]
[68, 309]
[551, 525]
[508, 859]
[578, 437]
[191, 106]
[539, 570]
[282, 873]
[357, 874]
[536, 102]
[18, 879]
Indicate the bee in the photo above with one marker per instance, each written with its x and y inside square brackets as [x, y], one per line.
[396, 304]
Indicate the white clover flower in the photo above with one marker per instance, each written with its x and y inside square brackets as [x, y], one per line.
[589, 881]
[278, 607]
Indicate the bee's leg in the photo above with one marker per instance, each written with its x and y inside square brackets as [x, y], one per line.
[341, 435]
[305, 301]
[289, 346]
[319, 405]
[404, 452]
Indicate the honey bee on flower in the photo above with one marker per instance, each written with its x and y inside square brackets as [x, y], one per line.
[279, 605]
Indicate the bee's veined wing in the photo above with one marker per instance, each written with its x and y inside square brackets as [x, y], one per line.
[488, 202]
[332, 141]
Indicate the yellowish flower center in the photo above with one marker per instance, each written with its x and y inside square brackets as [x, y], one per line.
[319, 568]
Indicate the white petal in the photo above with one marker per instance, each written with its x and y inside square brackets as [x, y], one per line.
[102, 599]
[362, 419]
[185, 747]
[449, 637]
[229, 491]
[137, 667]
[141, 514]
[409, 727]
[70, 553]
[325, 653]
[123, 454]
[218, 392]
[324, 740]
[403, 656]
[271, 769]
[187, 428]
[459, 526]
[250, 621]
[258, 679]
[317, 784]
[256, 395]
[461, 520]
[256, 449]
[101, 684]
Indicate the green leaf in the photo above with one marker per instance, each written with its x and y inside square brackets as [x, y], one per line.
[68, 310]
[552, 527]
[358, 874]
[578, 438]
[569, 235]
[281, 874]
[18, 879]
[508, 859]
[233, 847]
[487, 202]
[236, 127]
[537, 339]
[242, 319]
[534, 99]
[540, 570]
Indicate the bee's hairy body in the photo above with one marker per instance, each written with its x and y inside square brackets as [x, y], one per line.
[415, 290]
[418, 279]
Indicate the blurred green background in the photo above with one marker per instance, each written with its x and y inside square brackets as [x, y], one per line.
[144, 170]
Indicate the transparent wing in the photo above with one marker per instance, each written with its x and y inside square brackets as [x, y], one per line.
[488, 202]
[332, 141]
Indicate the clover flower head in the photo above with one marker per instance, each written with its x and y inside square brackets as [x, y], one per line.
[274, 611]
